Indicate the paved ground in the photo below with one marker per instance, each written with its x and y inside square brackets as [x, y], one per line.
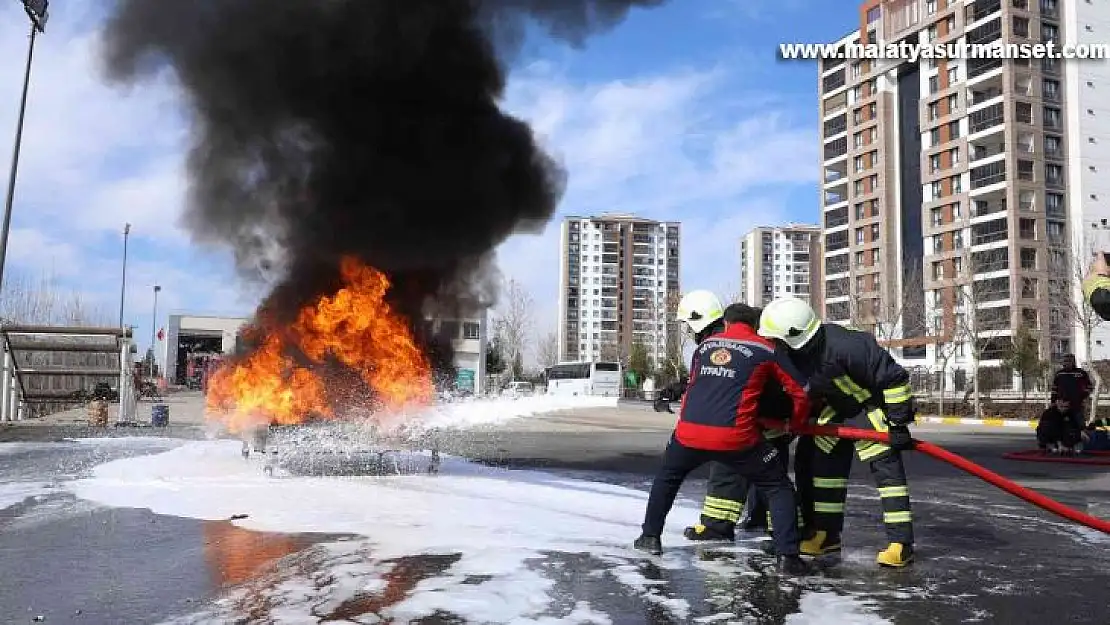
[984, 555]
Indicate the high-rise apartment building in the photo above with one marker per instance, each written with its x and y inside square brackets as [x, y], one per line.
[781, 261]
[953, 189]
[619, 284]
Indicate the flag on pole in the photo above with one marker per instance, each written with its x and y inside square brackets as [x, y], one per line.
[161, 334]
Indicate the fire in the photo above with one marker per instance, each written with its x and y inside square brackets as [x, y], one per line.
[283, 381]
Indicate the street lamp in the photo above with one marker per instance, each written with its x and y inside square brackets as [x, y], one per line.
[36, 10]
[123, 280]
[153, 325]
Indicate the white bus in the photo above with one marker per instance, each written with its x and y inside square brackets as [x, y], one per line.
[602, 379]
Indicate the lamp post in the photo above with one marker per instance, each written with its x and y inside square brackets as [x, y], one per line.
[36, 10]
[123, 280]
[153, 325]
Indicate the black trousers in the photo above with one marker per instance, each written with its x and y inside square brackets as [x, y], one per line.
[729, 497]
[803, 479]
[832, 464]
[759, 465]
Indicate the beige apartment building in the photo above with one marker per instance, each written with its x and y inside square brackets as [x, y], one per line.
[781, 261]
[945, 193]
[619, 285]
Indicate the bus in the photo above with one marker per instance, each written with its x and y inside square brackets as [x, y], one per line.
[600, 379]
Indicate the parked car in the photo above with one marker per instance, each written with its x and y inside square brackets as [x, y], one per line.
[517, 390]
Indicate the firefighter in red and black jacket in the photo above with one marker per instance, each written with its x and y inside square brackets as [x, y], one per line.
[718, 422]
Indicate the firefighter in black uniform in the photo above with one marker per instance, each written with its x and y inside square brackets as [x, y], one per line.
[728, 496]
[1096, 286]
[853, 377]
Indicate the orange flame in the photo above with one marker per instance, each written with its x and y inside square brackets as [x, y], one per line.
[355, 327]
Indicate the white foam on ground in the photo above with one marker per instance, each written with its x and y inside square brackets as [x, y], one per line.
[817, 608]
[496, 519]
[15, 493]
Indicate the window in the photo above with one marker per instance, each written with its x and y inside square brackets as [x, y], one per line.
[953, 75]
[934, 111]
[874, 14]
[930, 7]
[931, 33]
[1051, 117]
[934, 163]
[859, 235]
[934, 136]
[1051, 33]
[953, 103]
[956, 212]
[1051, 144]
[856, 70]
[954, 156]
[937, 217]
[953, 130]
[1021, 26]
[935, 190]
[934, 84]
[1024, 112]
[471, 330]
[957, 184]
[1050, 89]
[1028, 258]
[858, 161]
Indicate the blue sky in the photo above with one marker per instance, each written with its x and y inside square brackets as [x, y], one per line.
[681, 112]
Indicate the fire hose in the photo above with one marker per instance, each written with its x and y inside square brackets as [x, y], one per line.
[1015, 489]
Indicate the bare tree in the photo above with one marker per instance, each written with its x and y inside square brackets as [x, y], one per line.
[1066, 273]
[972, 317]
[43, 301]
[547, 350]
[513, 322]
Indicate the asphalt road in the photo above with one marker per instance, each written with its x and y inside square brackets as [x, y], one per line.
[984, 556]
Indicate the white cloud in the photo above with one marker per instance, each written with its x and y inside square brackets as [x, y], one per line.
[680, 146]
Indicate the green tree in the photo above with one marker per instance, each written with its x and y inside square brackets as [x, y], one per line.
[1024, 357]
[639, 362]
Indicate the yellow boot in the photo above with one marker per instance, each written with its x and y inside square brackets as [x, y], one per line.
[820, 544]
[896, 555]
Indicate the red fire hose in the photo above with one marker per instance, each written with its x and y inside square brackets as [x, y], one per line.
[960, 462]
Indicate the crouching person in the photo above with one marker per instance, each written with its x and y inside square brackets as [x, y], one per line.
[717, 423]
[1056, 430]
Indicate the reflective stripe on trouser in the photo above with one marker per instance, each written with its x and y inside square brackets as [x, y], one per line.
[724, 499]
[831, 468]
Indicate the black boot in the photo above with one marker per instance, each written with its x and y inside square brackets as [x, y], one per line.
[649, 544]
[704, 533]
[793, 566]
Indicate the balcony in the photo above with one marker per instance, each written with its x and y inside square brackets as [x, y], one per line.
[984, 151]
[1056, 211]
[982, 9]
[835, 172]
[986, 33]
[835, 103]
[836, 217]
[836, 196]
[1050, 8]
[984, 95]
[836, 126]
[833, 81]
[980, 208]
[978, 67]
[1054, 182]
[836, 149]
[987, 180]
[987, 118]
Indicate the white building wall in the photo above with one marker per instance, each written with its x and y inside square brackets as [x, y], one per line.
[1087, 93]
[226, 327]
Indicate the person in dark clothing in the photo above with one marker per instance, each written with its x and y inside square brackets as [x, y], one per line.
[854, 378]
[1057, 430]
[718, 422]
[1096, 435]
[729, 499]
[1074, 386]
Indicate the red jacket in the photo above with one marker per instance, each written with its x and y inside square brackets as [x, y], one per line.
[727, 378]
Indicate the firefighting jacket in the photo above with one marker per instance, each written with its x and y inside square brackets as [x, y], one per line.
[1096, 289]
[1073, 384]
[728, 375]
[853, 374]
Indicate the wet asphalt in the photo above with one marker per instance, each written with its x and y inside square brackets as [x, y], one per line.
[983, 556]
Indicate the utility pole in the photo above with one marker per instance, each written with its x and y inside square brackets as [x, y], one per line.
[36, 10]
[123, 280]
[153, 326]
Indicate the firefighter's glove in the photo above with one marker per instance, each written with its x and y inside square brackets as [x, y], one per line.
[900, 439]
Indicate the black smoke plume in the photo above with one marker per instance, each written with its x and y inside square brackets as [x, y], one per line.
[369, 128]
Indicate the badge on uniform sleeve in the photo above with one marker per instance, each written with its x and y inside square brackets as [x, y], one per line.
[721, 357]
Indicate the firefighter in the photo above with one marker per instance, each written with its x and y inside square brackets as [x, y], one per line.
[729, 500]
[1096, 286]
[854, 377]
[717, 422]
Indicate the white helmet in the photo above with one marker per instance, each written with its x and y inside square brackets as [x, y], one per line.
[790, 319]
[699, 309]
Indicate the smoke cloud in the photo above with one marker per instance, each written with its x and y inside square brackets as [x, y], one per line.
[369, 128]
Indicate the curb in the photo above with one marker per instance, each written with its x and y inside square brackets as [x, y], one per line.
[1004, 423]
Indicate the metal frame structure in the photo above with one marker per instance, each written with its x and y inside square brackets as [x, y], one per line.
[15, 398]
